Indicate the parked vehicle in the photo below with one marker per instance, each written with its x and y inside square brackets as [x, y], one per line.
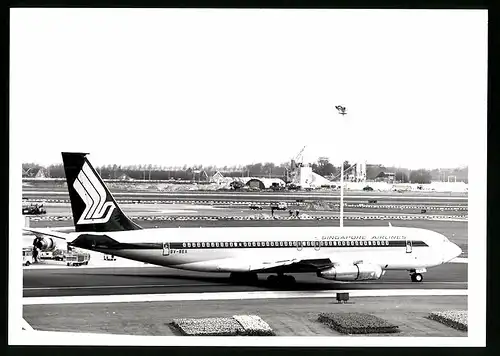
[109, 257]
[279, 206]
[76, 259]
[255, 207]
[34, 209]
[27, 256]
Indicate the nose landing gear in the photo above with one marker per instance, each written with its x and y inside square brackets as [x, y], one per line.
[416, 275]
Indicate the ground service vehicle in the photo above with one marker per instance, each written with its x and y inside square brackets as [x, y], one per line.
[34, 209]
[109, 257]
[255, 207]
[76, 259]
[27, 256]
[279, 206]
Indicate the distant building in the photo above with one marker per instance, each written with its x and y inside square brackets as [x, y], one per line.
[217, 177]
[124, 177]
[265, 183]
[387, 177]
[42, 173]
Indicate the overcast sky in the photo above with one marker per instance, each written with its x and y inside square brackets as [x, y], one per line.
[174, 87]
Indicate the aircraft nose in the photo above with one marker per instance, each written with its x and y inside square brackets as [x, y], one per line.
[451, 251]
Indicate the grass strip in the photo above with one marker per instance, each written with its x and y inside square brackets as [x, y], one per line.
[456, 319]
[357, 323]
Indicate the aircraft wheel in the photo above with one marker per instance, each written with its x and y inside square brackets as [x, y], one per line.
[272, 278]
[27, 263]
[289, 280]
[244, 277]
[418, 277]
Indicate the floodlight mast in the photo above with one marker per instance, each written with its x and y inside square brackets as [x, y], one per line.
[342, 111]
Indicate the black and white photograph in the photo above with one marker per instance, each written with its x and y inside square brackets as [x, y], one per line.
[247, 177]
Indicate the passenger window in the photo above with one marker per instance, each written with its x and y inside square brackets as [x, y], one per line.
[202, 244]
[253, 243]
[216, 244]
[343, 243]
[244, 244]
[226, 244]
[267, 243]
[230, 244]
[299, 243]
[272, 243]
[198, 244]
[369, 243]
[281, 243]
[212, 244]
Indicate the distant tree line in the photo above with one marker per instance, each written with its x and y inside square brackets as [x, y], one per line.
[322, 167]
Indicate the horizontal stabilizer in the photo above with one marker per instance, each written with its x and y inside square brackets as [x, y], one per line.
[47, 232]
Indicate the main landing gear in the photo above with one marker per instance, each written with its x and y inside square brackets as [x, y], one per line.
[416, 275]
[243, 277]
[281, 279]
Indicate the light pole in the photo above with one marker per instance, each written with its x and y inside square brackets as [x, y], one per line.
[342, 111]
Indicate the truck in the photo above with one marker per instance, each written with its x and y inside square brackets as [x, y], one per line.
[76, 259]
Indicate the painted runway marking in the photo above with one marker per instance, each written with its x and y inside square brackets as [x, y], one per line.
[128, 298]
[198, 285]
[26, 326]
[111, 286]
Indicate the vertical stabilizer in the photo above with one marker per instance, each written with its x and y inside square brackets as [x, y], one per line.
[94, 208]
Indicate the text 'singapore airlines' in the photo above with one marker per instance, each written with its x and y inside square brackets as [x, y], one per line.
[335, 253]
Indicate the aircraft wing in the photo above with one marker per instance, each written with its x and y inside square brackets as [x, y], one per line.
[48, 232]
[272, 265]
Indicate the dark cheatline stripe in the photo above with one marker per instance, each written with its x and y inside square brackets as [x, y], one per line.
[105, 242]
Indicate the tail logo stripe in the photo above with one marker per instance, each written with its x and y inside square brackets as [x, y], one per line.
[92, 191]
[93, 194]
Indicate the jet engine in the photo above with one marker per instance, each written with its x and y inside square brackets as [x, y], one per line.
[355, 272]
[44, 244]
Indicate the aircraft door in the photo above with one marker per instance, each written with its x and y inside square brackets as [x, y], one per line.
[408, 246]
[317, 245]
[166, 248]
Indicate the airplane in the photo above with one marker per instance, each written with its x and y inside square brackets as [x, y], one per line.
[333, 253]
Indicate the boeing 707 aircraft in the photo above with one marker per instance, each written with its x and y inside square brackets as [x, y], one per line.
[334, 253]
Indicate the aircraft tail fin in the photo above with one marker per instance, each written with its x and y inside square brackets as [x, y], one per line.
[94, 208]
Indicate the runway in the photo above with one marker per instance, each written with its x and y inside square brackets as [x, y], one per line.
[350, 197]
[144, 210]
[153, 280]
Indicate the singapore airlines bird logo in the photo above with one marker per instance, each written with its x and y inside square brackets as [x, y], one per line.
[93, 194]
[342, 110]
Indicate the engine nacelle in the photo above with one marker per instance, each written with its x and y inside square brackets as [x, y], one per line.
[355, 272]
[44, 244]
